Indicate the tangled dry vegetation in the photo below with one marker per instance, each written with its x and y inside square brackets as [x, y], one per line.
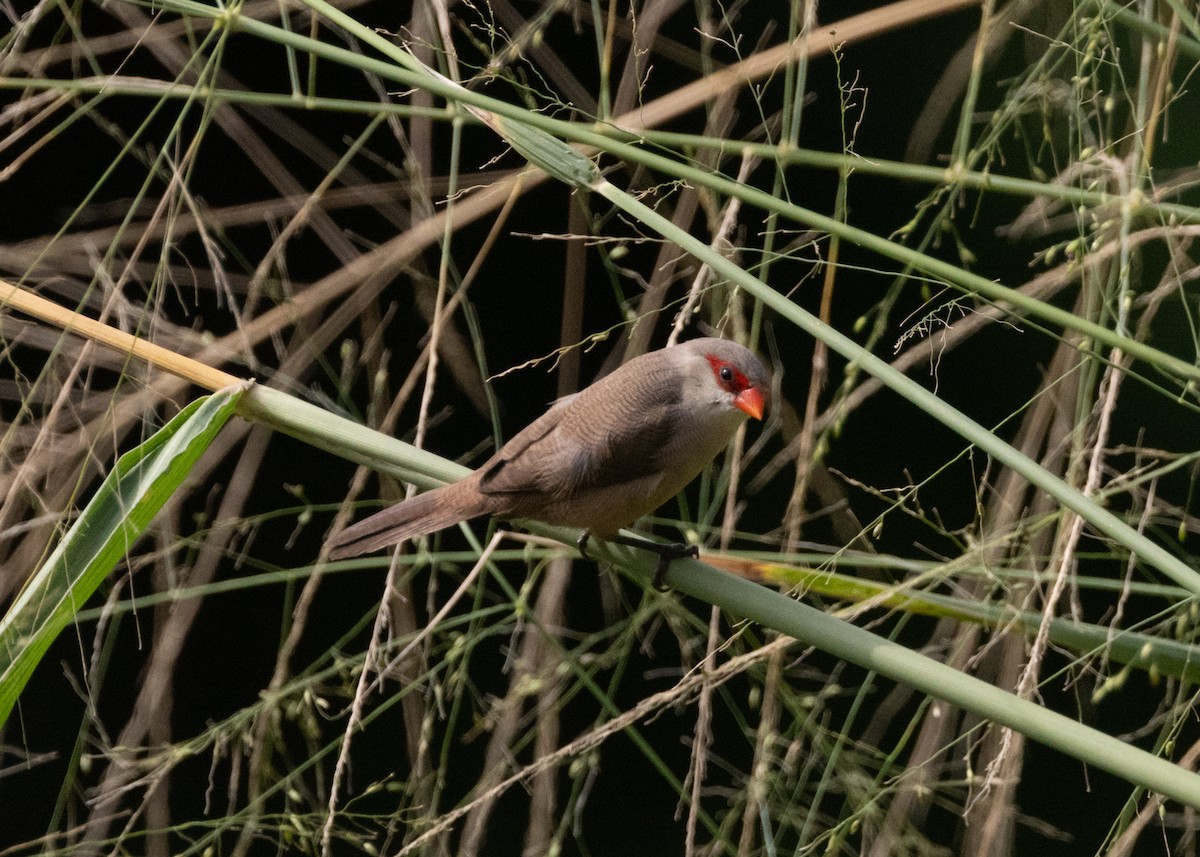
[999, 202]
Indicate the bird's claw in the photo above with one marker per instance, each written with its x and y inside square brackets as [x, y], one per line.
[582, 542]
[667, 554]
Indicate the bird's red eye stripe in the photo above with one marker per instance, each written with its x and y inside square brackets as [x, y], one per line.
[727, 376]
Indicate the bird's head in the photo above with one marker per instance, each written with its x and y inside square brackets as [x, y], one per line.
[739, 377]
[749, 396]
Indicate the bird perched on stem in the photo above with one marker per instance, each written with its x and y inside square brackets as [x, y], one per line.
[600, 459]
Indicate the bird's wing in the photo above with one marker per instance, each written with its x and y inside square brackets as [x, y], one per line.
[572, 446]
[506, 471]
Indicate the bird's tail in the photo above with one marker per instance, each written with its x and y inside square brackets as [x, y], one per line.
[416, 516]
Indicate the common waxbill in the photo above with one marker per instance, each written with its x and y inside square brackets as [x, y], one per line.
[600, 459]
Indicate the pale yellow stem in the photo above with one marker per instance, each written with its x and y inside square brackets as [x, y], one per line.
[177, 364]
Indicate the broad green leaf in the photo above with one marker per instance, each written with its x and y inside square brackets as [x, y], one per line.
[140, 483]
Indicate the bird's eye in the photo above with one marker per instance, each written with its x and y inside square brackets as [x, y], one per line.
[726, 374]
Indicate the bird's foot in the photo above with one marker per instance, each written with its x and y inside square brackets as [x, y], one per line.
[667, 552]
[582, 543]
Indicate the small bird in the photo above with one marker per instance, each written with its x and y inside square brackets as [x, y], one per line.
[600, 459]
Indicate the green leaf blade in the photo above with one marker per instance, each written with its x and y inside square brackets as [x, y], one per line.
[139, 485]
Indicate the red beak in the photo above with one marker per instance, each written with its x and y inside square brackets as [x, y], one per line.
[752, 401]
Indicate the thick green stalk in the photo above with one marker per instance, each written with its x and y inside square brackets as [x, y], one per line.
[812, 627]
[760, 604]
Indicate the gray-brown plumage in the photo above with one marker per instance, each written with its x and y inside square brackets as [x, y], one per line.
[600, 459]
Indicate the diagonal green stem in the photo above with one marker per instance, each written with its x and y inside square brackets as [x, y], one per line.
[404, 68]
[415, 74]
[856, 645]
[1100, 518]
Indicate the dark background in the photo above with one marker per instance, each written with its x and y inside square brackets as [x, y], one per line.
[231, 649]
